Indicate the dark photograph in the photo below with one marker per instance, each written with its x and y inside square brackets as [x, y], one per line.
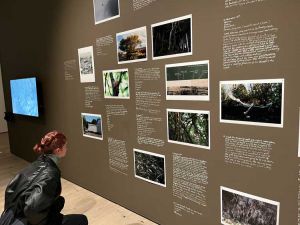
[256, 102]
[172, 38]
[189, 127]
[150, 167]
[187, 81]
[105, 10]
[243, 209]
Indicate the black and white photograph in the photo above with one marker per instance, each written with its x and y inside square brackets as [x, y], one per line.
[189, 127]
[238, 208]
[116, 84]
[150, 167]
[172, 38]
[252, 102]
[86, 64]
[132, 45]
[105, 10]
[92, 126]
[187, 81]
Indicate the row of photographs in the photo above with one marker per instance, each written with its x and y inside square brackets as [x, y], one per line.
[249, 102]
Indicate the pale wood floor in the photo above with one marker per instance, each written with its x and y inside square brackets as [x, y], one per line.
[78, 200]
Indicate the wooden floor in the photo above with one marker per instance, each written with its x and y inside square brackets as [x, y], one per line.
[78, 200]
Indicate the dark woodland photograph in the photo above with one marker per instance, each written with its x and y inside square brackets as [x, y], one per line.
[92, 126]
[189, 127]
[244, 209]
[257, 102]
[116, 84]
[150, 167]
[187, 81]
[105, 10]
[132, 45]
[172, 38]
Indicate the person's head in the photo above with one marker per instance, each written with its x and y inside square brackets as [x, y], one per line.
[53, 142]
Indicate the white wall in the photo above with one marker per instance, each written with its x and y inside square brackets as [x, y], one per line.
[3, 124]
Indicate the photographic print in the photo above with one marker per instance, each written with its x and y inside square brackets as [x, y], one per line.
[187, 81]
[172, 38]
[238, 208]
[132, 45]
[189, 127]
[105, 10]
[150, 167]
[252, 102]
[116, 84]
[92, 125]
[86, 64]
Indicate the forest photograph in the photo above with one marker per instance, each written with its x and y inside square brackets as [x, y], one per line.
[116, 84]
[172, 38]
[187, 81]
[243, 209]
[150, 167]
[92, 125]
[256, 102]
[132, 45]
[189, 127]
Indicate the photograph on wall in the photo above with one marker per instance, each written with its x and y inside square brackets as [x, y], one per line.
[150, 167]
[116, 84]
[132, 45]
[252, 102]
[172, 38]
[86, 64]
[187, 81]
[92, 125]
[238, 208]
[189, 127]
[105, 10]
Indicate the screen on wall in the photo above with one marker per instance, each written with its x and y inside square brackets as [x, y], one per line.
[24, 96]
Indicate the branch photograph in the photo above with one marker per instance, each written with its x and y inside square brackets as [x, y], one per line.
[132, 45]
[116, 84]
[189, 127]
[172, 38]
[92, 125]
[238, 208]
[187, 81]
[252, 102]
[150, 167]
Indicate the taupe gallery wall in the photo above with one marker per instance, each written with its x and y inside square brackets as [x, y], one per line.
[254, 41]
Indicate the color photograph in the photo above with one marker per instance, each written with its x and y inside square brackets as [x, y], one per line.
[189, 127]
[150, 167]
[105, 10]
[86, 64]
[132, 45]
[116, 84]
[172, 38]
[252, 102]
[92, 125]
[238, 208]
[187, 81]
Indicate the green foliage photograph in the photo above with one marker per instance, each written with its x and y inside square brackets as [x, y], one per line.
[116, 84]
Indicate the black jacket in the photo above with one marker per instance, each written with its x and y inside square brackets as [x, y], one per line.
[34, 191]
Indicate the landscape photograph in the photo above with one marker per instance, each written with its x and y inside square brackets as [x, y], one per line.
[150, 167]
[189, 127]
[172, 38]
[238, 208]
[132, 45]
[116, 84]
[187, 81]
[252, 102]
[92, 125]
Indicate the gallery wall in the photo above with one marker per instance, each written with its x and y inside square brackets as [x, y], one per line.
[186, 113]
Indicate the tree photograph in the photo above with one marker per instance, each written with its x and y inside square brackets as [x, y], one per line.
[255, 102]
[132, 45]
[116, 83]
[189, 127]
